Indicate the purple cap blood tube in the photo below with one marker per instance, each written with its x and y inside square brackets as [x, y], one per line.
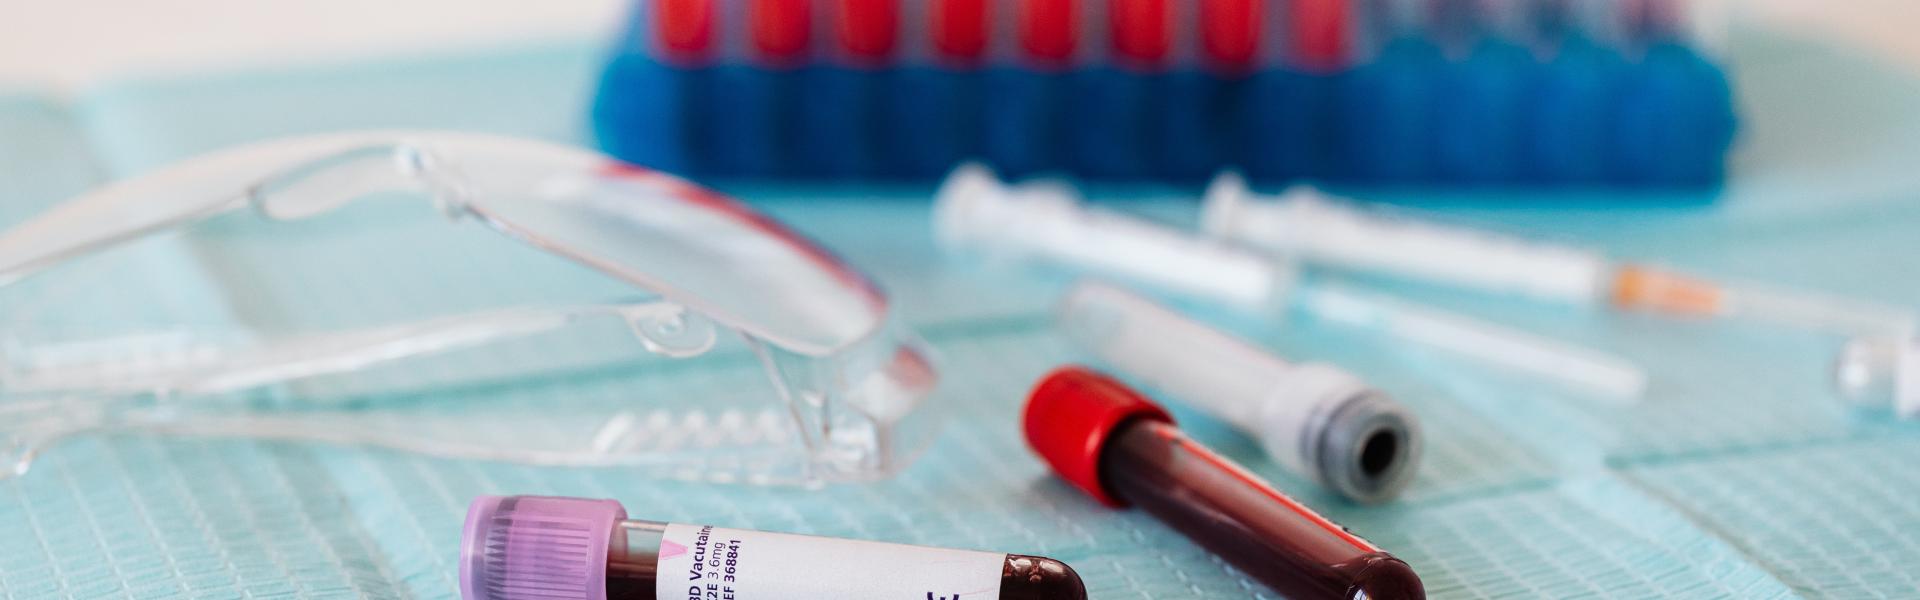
[546, 548]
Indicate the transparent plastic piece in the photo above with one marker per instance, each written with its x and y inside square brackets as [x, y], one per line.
[1881, 371]
[708, 277]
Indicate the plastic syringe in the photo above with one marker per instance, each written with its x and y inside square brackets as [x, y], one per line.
[1313, 227]
[976, 213]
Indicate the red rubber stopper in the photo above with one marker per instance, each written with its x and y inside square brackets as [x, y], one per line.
[780, 28]
[867, 28]
[960, 28]
[1230, 32]
[1140, 31]
[1049, 29]
[684, 29]
[1069, 417]
[1320, 33]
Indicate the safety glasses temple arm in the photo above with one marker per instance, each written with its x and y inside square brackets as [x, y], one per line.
[175, 196]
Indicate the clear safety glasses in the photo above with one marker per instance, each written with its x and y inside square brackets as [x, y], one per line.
[708, 277]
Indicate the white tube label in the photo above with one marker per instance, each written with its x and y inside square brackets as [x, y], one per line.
[699, 562]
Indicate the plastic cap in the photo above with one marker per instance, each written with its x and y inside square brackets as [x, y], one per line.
[1230, 32]
[780, 28]
[1140, 30]
[1048, 29]
[684, 29]
[540, 547]
[960, 27]
[1069, 417]
[868, 29]
[1320, 33]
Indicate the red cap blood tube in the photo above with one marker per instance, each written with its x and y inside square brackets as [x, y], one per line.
[1122, 449]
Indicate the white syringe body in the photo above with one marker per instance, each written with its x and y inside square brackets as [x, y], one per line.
[1275, 401]
[975, 212]
[1306, 224]
[1616, 378]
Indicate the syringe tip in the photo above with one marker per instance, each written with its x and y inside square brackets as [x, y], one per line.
[959, 203]
[1222, 206]
[1865, 369]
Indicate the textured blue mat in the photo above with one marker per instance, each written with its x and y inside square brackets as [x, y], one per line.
[1738, 477]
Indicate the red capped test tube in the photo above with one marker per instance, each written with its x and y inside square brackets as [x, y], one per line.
[1122, 449]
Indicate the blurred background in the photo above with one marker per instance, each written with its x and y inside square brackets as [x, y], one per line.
[1736, 471]
[71, 43]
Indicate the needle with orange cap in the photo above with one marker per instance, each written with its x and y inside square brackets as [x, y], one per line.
[1320, 229]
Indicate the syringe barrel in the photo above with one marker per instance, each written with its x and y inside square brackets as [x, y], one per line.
[1306, 224]
[976, 213]
[1315, 419]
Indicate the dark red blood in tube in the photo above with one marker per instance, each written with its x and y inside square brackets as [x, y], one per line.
[1230, 32]
[1122, 449]
[1048, 29]
[1140, 30]
[868, 28]
[684, 28]
[1320, 33]
[780, 28]
[959, 28]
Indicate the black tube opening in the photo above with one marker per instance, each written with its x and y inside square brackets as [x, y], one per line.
[1378, 452]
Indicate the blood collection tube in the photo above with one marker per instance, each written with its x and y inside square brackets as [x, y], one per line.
[839, 127]
[652, 98]
[1027, 101]
[765, 44]
[1210, 49]
[1481, 92]
[1315, 419]
[1569, 111]
[1123, 43]
[1122, 449]
[1386, 103]
[548, 548]
[1286, 116]
[934, 115]
[1674, 120]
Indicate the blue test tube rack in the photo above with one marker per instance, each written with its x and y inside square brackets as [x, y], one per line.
[1451, 92]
